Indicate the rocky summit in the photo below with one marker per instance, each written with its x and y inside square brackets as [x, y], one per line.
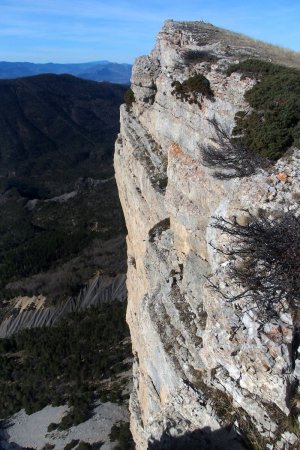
[214, 367]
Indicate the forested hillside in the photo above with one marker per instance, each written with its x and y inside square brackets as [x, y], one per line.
[57, 184]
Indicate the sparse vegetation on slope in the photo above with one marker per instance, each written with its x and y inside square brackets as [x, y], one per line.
[274, 123]
[237, 44]
[66, 363]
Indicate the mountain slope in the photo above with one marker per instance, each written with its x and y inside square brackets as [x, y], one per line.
[57, 183]
[62, 260]
[62, 115]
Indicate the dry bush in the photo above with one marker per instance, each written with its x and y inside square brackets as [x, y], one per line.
[230, 157]
[198, 56]
[264, 263]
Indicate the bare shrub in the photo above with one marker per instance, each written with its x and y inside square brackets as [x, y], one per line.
[264, 263]
[229, 156]
[198, 56]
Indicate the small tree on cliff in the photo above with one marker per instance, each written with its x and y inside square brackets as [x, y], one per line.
[129, 98]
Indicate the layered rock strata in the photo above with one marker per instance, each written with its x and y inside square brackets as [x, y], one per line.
[199, 363]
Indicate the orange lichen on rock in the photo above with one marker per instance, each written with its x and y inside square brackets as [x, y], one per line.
[175, 150]
[282, 176]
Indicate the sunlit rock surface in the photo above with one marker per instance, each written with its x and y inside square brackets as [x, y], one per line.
[199, 364]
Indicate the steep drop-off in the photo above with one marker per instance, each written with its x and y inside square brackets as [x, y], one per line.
[62, 244]
[62, 264]
[208, 372]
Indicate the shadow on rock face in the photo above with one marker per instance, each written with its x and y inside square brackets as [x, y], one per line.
[97, 445]
[201, 439]
[13, 446]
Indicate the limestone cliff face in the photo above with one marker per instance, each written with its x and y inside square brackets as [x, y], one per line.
[198, 362]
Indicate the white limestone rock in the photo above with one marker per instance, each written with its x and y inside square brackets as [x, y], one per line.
[199, 363]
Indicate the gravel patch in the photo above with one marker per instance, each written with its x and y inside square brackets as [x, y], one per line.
[31, 430]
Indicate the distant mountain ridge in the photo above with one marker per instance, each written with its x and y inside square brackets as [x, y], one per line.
[96, 70]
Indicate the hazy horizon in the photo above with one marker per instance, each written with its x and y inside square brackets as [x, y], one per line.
[65, 63]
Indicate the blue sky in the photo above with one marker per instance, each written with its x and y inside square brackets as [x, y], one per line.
[119, 30]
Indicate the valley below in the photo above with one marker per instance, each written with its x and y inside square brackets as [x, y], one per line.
[64, 340]
[204, 159]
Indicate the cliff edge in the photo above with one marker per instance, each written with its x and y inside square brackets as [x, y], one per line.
[211, 369]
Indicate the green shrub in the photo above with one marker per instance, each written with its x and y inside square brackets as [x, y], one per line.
[121, 433]
[80, 411]
[129, 98]
[254, 68]
[84, 446]
[52, 426]
[274, 124]
[71, 444]
[189, 89]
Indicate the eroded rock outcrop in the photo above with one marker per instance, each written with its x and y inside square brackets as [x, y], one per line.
[201, 363]
[31, 312]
